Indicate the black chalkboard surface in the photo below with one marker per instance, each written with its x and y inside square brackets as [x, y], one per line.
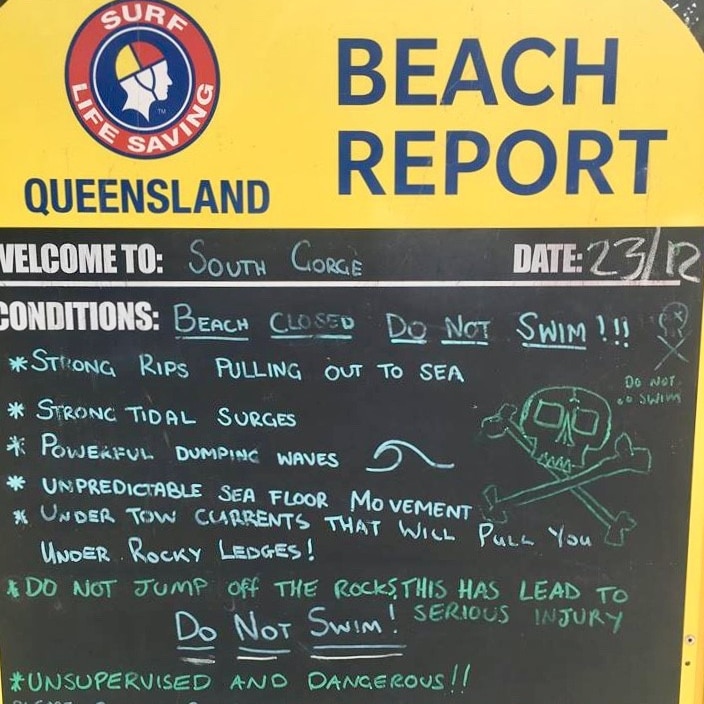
[379, 466]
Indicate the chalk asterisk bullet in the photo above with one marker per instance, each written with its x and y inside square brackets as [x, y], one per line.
[16, 681]
[20, 516]
[15, 445]
[18, 364]
[15, 410]
[15, 482]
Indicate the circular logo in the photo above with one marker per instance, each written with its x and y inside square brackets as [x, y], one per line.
[142, 78]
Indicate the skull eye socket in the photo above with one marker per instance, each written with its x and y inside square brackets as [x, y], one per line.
[585, 422]
[548, 415]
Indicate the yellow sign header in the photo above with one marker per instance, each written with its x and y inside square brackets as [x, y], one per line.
[480, 114]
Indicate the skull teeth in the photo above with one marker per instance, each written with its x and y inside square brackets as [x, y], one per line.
[556, 462]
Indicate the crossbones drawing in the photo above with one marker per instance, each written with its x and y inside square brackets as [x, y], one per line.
[560, 427]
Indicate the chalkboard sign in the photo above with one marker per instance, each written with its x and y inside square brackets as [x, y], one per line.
[406, 466]
[350, 352]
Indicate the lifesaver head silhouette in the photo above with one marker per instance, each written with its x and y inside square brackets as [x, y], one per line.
[143, 73]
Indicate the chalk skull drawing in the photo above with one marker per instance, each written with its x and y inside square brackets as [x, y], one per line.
[564, 424]
[565, 430]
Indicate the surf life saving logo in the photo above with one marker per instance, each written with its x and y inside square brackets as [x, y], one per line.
[142, 78]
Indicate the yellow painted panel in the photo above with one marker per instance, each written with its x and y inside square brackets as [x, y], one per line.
[278, 120]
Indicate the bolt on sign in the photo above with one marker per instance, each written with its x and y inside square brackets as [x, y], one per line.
[350, 352]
